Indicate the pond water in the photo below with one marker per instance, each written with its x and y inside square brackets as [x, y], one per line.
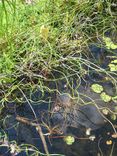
[27, 134]
[71, 119]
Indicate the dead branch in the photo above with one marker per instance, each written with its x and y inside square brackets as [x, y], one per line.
[38, 125]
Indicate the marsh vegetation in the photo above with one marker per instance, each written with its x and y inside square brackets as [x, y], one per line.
[58, 77]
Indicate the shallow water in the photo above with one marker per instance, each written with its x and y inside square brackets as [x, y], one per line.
[26, 134]
[22, 133]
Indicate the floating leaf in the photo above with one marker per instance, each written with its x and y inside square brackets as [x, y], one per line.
[113, 117]
[112, 67]
[69, 140]
[105, 97]
[97, 88]
[115, 100]
[106, 39]
[114, 61]
[113, 46]
[44, 31]
[109, 43]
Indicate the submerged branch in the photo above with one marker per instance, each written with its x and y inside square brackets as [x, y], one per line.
[37, 125]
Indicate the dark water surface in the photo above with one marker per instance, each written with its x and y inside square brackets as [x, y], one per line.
[76, 121]
[26, 134]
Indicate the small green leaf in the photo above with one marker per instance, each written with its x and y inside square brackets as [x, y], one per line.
[114, 98]
[69, 140]
[113, 46]
[113, 117]
[114, 61]
[112, 67]
[105, 97]
[97, 88]
[109, 43]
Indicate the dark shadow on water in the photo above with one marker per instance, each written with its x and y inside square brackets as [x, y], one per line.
[26, 134]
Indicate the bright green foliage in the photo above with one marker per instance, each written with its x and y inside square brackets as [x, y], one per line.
[113, 65]
[69, 140]
[97, 88]
[109, 43]
[114, 61]
[114, 99]
[113, 116]
[105, 97]
[23, 26]
[48, 37]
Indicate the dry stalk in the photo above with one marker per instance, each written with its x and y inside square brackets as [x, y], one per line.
[37, 125]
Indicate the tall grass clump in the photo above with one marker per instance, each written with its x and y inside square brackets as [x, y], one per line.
[38, 38]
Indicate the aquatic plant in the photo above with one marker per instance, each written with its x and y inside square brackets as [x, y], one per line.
[97, 88]
[105, 97]
[69, 140]
[109, 43]
[47, 41]
[113, 65]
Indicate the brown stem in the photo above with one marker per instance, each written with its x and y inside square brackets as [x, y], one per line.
[26, 121]
[38, 125]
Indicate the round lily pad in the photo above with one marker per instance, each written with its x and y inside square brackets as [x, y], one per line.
[97, 88]
[69, 140]
[105, 97]
[113, 117]
[113, 67]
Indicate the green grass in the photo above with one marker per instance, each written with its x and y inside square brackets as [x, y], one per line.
[72, 26]
[28, 60]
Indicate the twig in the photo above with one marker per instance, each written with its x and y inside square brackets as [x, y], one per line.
[99, 146]
[38, 126]
[26, 121]
[111, 153]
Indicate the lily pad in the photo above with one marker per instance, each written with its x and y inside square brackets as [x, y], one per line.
[69, 140]
[114, 61]
[97, 88]
[113, 117]
[105, 97]
[113, 67]
[114, 98]
[109, 43]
